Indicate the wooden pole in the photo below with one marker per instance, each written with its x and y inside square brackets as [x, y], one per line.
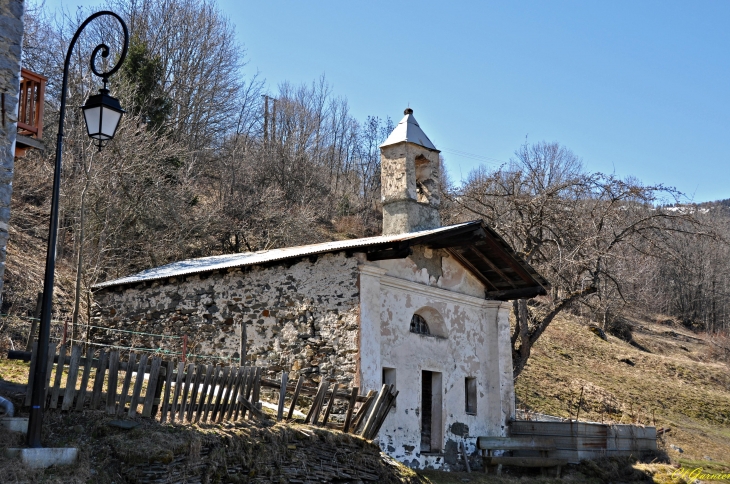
[242, 349]
[34, 321]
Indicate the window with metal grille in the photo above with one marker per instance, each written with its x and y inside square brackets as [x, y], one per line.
[419, 325]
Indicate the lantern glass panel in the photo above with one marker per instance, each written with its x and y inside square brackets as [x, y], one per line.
[109, 121]
[91, 116]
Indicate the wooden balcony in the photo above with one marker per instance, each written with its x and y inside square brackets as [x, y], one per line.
[30, 112]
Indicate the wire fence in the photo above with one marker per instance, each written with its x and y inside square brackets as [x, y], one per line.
[59, 334]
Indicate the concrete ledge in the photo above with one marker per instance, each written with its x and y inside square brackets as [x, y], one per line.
[44, 457]
[15, 424]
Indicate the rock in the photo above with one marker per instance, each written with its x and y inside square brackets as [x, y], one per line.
[677, 448]
[598, 332]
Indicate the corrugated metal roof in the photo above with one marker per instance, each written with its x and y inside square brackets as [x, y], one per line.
[218, 262]
[409, 130]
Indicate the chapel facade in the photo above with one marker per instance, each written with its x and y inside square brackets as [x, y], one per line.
[422, 307]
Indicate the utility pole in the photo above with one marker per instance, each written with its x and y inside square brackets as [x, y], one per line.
[266, 118]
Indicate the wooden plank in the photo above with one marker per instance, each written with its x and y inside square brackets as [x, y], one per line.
[80, 400]
[219, 393]
[73, 374]
[312, 409]
[256, 388]
[58, 377]
[166, 396]
[491, 265]
[227, 390]
[251, 408]
[474, 270]
[185, 390]
[384, 414]
[211, 395]
[220, 403]
[249, 389]
[515, 443]
[31, 374]
[363, 410]
[297, 389]
[99, 379]
[209, 375]
[374, 412]
[282, 395]
[194, 391]
[310, 413]
[156, 397]
[231, 398]
[350, 409]
[178, 387]
[149, 397]
[329, 405]
[241, 391]
[320, 404]
[567, 429]
[464, 455]
[125, 385]
[49, 369]
[113, 380]
[138, 381]
[342, 394]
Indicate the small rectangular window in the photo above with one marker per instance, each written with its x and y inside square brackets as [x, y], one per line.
[470, 390]
[389, 378]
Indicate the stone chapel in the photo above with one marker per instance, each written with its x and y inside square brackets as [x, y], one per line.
[421, 306]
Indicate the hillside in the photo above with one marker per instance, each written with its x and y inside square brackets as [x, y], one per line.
[681, 383]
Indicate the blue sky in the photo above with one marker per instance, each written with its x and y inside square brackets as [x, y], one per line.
[633, 88]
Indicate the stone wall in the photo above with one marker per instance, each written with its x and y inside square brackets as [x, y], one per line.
[301, 318]
[11, 41]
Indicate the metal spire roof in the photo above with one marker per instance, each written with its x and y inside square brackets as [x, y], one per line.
[409, 130]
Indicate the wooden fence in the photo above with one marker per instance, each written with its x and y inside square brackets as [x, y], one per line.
[196, 393]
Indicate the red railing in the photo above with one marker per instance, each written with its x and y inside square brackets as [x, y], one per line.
[30, 105]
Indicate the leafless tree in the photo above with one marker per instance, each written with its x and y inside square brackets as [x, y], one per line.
[578, 229]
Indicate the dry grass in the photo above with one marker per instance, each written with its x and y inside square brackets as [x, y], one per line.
[678, 385]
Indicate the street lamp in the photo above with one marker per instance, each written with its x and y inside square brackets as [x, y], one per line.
[102, 114]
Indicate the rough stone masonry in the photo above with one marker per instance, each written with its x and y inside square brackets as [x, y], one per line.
[11, 41]
[304, 319]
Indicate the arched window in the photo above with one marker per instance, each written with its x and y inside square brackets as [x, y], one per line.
[419, 325]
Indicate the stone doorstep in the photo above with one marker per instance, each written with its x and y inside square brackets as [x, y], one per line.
[15, 424]
[44, 457]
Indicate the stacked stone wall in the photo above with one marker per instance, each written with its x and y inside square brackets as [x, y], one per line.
[11, 40]
[302, 318]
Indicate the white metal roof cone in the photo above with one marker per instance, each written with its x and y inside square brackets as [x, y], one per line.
[409, 130]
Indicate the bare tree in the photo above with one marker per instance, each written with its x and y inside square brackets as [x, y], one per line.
[578, 229]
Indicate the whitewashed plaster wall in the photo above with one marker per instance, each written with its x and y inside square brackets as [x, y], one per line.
[474, 343]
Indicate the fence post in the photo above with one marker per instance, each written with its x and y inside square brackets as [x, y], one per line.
[185, 348]
[34, 321]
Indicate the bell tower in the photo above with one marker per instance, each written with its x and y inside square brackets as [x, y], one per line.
[409, 179]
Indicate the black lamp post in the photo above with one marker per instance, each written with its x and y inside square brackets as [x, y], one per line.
[102, 114]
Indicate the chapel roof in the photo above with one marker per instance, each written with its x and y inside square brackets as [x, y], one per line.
[474, 244]
[409, 130]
